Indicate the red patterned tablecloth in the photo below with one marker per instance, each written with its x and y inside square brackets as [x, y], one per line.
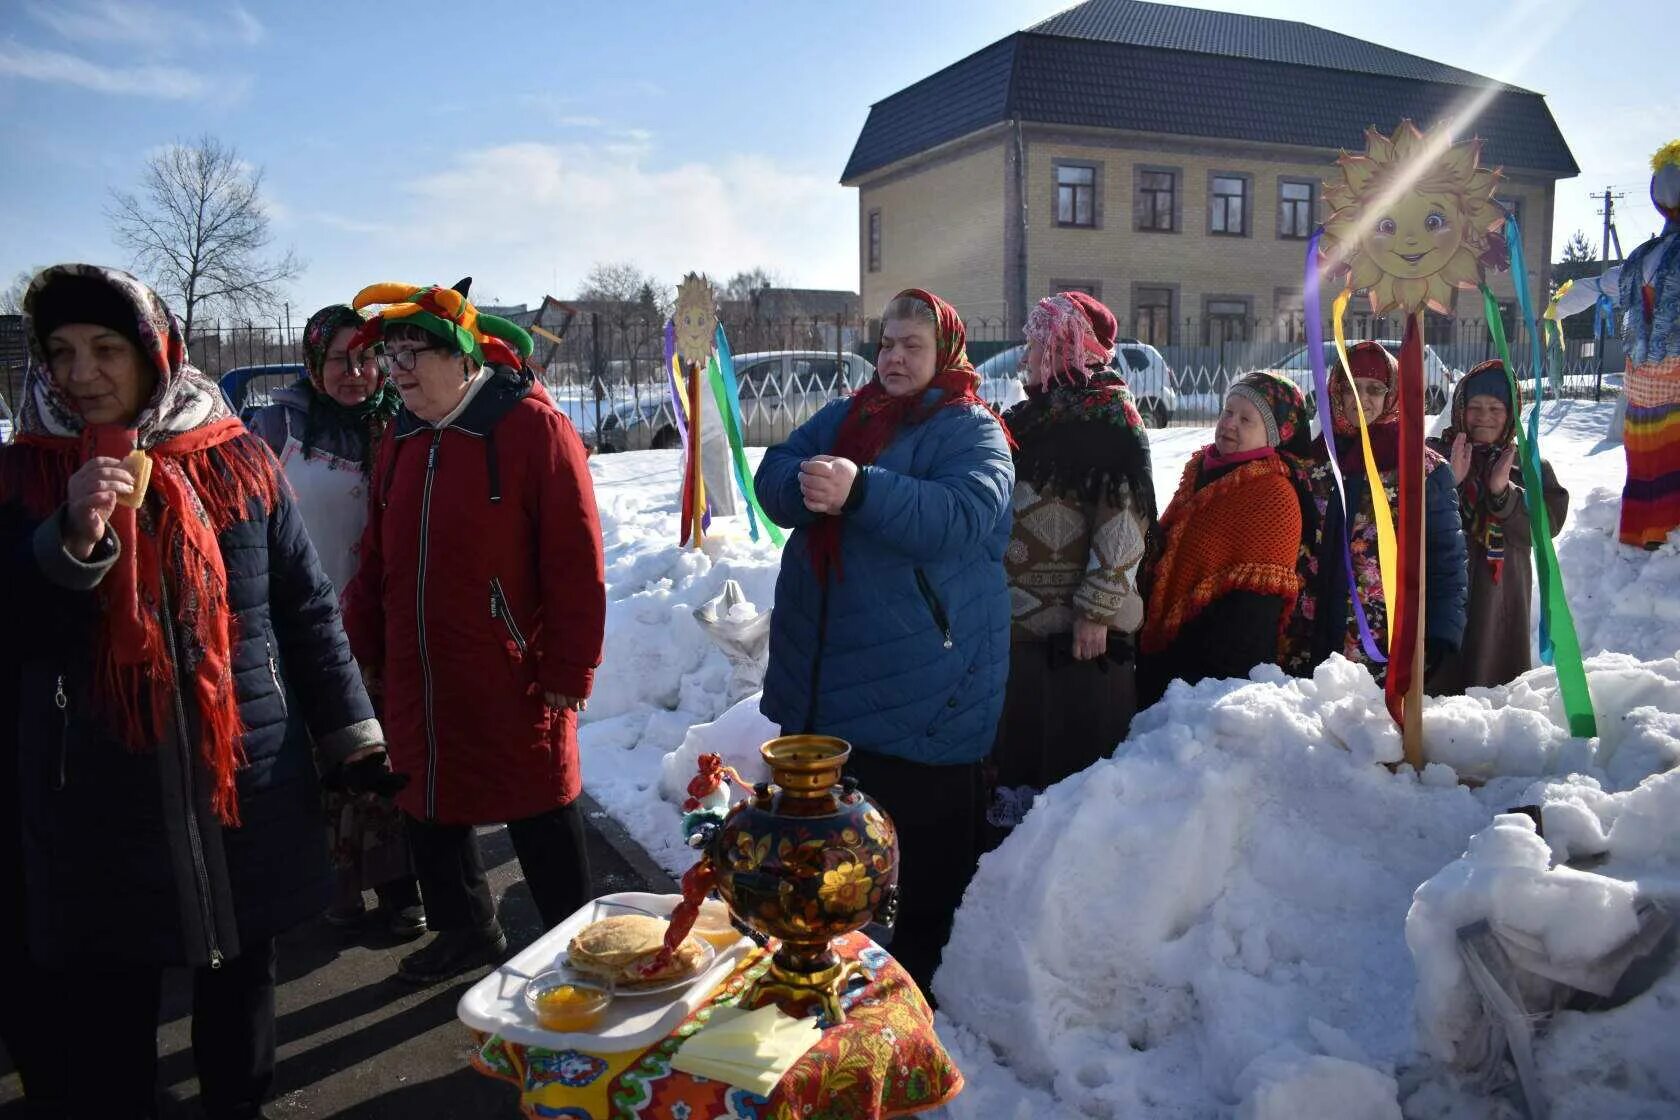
[883, 1061]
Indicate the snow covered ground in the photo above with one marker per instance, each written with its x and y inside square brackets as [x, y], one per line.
[1220, 920]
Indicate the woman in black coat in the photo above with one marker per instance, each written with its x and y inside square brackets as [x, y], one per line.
[163, 587]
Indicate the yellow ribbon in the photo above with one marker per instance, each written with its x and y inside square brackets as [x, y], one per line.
[1388, 546]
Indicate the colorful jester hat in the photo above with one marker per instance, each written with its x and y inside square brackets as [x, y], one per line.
[446, 313]
[1413, 219]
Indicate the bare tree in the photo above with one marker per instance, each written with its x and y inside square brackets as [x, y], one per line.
[742, 285]
[11, 299]
[623, 282]
[199, 228]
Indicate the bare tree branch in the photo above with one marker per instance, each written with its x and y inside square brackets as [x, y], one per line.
[198, 229]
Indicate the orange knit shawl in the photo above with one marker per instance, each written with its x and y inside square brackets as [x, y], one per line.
[1241, 532]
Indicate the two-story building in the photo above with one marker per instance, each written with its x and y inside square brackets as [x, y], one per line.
[1167, 160]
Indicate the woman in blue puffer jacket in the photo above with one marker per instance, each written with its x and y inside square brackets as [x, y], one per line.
[891, 627]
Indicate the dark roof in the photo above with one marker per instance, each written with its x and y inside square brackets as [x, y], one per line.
[1245, 86]
[1172, 28]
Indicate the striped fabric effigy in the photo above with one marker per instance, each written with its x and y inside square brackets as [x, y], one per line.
[1651, 435]
[1650, 295]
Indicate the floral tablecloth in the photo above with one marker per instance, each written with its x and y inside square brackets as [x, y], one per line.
[883, 1061]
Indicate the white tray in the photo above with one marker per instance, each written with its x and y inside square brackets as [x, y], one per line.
[496, 1004]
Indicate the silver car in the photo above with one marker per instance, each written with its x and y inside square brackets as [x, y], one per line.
[780, 390]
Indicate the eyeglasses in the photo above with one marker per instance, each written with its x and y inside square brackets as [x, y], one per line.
[404, 360]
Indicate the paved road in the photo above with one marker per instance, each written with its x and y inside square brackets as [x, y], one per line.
[355, 1041]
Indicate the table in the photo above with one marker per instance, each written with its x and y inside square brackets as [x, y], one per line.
[883, 1061]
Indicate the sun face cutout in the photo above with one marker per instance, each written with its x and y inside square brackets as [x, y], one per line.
[695, 319]
[1411, 219]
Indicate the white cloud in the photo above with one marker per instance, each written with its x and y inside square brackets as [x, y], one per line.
[169, 82]
[148, 25]
[526, 216]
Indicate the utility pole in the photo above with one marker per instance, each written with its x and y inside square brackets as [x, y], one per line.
[1607, 203]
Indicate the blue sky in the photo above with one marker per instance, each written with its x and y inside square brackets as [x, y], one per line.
[520, 142]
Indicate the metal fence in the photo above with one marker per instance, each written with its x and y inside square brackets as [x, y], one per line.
[607, 372]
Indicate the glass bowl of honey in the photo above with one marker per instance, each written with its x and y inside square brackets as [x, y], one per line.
[564, 1001]
[712, 924]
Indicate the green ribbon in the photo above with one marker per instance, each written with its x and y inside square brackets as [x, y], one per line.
[1559, 644]
[722, 379]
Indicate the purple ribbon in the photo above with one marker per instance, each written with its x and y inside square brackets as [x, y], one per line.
[1327, 431]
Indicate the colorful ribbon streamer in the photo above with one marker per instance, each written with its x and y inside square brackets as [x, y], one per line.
[1387, 547]
[1559, 644]
[721, 371]
[1313, 313]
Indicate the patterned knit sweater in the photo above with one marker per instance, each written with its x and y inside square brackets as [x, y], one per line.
[1069, 558]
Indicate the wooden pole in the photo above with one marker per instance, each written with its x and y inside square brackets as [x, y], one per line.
[696, 477]
[1411, 729]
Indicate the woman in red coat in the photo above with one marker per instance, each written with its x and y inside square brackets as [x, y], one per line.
[479, 608]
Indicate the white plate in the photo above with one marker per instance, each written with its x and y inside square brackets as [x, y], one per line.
[636, 991]
[496, 1004]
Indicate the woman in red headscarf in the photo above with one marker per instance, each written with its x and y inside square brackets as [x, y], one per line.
[1084, 505]
[891, 626]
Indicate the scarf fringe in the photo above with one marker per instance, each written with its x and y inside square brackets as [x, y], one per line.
[214, 487]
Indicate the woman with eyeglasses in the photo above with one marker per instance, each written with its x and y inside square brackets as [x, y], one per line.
[324, 427]
[478, 611]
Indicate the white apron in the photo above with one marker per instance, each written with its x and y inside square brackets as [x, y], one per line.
[332, 496]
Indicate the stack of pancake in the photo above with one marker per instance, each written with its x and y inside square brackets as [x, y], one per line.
[618, 948]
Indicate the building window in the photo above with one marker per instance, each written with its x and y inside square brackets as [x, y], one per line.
[1076, 195]
[1226, 320]
[1291, 316]
[1091, 288]
[1513, 207]
[1228, 205]
[1152, 315]
[874, 241]
[1157, 200]
[1295, 209]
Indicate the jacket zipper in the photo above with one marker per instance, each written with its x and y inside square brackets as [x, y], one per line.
[934, 606]
[62, 702]
[195, 842]
[274, 674]
[420, 614]
[499, 609]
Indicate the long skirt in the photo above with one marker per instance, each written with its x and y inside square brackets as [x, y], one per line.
[1059, 716]
[1651, 437]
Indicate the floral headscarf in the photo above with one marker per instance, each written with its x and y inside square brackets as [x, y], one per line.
[365, 422]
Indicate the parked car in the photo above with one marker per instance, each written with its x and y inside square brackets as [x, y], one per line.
[780, 389]
[247, 387]
[1148, 374]
[1439, 377]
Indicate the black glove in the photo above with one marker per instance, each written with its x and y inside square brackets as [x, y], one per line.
[371, 774]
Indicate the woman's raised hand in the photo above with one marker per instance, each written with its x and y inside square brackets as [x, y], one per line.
[90, 500]
[1460, 458]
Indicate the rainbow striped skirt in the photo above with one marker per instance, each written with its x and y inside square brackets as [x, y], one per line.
[1651, 435]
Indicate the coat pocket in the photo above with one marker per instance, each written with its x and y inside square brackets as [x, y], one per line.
[499, 609]
[935, 607]
[61, 769]
[274, 674]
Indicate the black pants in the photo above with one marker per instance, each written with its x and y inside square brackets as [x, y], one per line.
[232, 1036]
[552, 856]
[936, 810]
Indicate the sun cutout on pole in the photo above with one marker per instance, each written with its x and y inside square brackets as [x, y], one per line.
[706, 403]
[1411, 222]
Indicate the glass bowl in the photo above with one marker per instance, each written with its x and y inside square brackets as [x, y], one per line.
[712, 924]
[562, 1000]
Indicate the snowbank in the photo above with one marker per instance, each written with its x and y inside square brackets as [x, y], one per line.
[660, 675]
[1216, 917]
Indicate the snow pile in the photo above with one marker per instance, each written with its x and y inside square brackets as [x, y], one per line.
[1214, 920]
[660, 674]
